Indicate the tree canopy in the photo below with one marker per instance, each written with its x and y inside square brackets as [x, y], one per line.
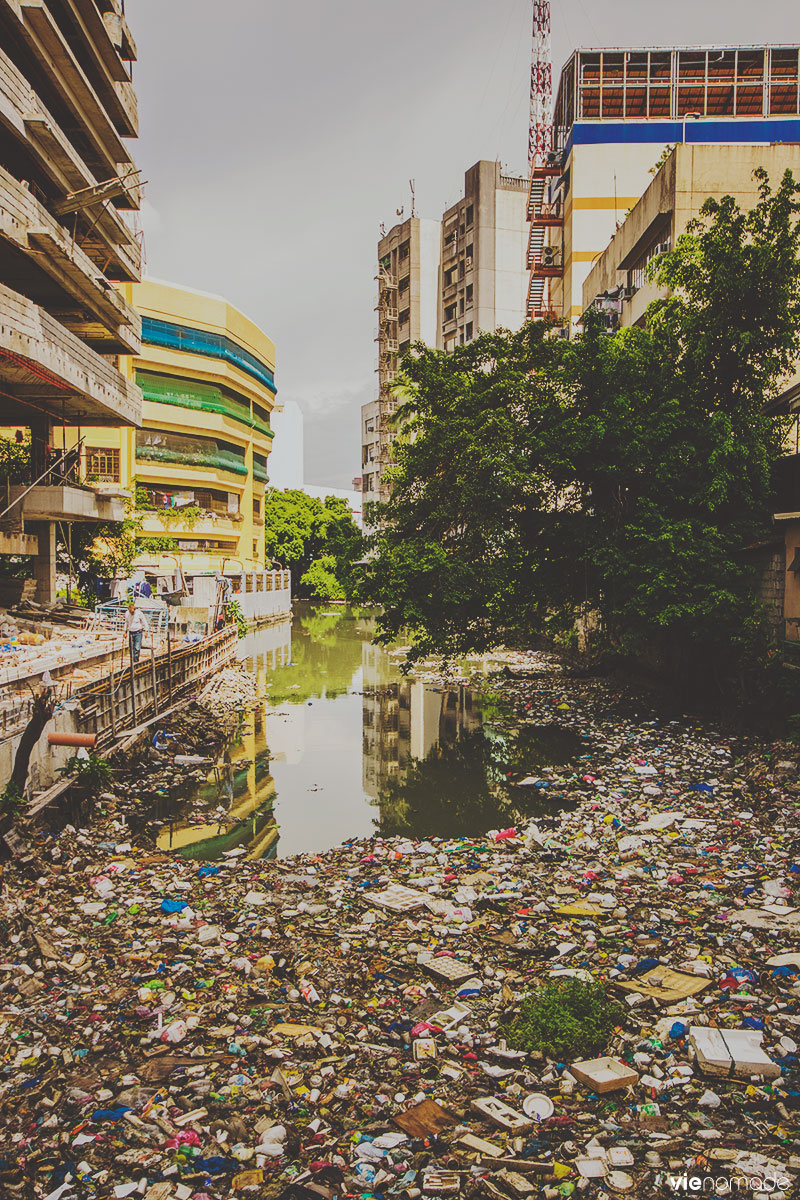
[317, 540]
[614, 480]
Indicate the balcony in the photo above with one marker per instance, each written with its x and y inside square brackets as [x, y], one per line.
[42, 360]
[548, 213]
[66, 502]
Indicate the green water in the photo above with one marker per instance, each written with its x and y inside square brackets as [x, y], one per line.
[343, 745]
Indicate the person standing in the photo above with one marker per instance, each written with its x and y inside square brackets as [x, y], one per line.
[136, 626]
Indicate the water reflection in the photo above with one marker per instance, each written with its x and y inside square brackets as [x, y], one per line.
[343, 745]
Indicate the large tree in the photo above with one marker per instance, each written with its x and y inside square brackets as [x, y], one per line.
[317, 540]
[619, 475]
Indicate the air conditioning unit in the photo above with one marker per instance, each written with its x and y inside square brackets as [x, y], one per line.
[553, 158]
[629, 292]
[662, 248]
[468, 262]
[549, 256]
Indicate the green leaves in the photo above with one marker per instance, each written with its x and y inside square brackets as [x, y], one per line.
[318, 541]
[565, 1020]
[618, 478]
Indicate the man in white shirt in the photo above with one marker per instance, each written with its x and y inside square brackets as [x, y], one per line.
[136, 626]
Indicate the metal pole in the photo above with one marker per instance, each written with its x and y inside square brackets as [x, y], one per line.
[153, 677]
[169, 666]
[133, 682]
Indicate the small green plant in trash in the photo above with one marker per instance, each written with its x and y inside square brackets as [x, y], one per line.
[93, 773]
[11, 799]
[564, 1020]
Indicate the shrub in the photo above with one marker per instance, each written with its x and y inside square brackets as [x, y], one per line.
[566, 1019]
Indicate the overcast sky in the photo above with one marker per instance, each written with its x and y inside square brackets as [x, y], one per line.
[276, 136]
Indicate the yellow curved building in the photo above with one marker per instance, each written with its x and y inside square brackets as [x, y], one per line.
[207, 375]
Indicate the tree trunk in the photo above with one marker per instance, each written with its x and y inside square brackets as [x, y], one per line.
[43, 706]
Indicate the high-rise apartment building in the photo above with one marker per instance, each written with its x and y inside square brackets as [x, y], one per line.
[483, 275]
[616, 112]
[408, 311]
[67, 106]
[443, 282]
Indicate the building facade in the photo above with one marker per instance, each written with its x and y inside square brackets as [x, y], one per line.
[443, 282]
[67, 114]
[408, 311]
[483, 275]
[207, 376]
[616, 113]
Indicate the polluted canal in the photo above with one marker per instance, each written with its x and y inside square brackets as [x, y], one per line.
[341, 744]
[598, 1000]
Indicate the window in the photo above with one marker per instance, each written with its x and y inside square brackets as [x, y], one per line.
[255, 548]
[469, 331]
[470, 214]
[469, 293]
[449, 276]
[404, 283]
[469, 250]
[102, 464]
[405, 316]
[461, 307]
[450, 312]
[401, 349]
[369, 426]
[256, 506]
[405, 250]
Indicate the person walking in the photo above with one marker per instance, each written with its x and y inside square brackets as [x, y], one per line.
[136, 626]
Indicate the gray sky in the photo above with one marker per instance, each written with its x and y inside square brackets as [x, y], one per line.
[276, 135]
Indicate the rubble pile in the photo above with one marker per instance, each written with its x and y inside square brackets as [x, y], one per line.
[231, 688]
[333, 1025]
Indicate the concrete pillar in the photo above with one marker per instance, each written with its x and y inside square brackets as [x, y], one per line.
[44, 564]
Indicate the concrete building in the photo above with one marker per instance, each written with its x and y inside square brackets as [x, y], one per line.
[483, 275]
[443, 282]
[616, 112]
[408, 311]
[207, 377]
[67, 106]
[617, 283]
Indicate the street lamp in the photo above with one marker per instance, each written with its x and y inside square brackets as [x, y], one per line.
[695, 116]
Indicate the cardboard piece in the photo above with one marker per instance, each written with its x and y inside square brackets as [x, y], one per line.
[605, 1074]
[665, 985]
[732, 1053]
[581, 908]
[424, 1119]
[440, 1183]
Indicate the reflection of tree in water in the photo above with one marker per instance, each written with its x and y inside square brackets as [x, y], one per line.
[462, 789]
[326, 653]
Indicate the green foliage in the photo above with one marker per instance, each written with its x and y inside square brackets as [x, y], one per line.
[565, 1020]
[15, 459]
[237, 617]
[188, 516]
[11, 799]
[616, 478]
[318, 541]
[320, 580]
[94, 773]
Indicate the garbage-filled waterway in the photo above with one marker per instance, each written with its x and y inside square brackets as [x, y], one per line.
[343, 745]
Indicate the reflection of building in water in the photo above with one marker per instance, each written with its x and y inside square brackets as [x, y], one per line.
[263, 650]
[403, 719]
[244, 787]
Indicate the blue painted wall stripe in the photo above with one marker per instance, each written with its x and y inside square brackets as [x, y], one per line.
[743, 132]
[212, 345]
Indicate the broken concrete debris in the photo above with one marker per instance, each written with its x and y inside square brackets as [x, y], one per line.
[333, 1025]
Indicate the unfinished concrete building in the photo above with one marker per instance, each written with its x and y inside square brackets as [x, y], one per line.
[67, 104]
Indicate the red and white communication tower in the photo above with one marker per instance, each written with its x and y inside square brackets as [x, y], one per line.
[541, 125]
[543, 259]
